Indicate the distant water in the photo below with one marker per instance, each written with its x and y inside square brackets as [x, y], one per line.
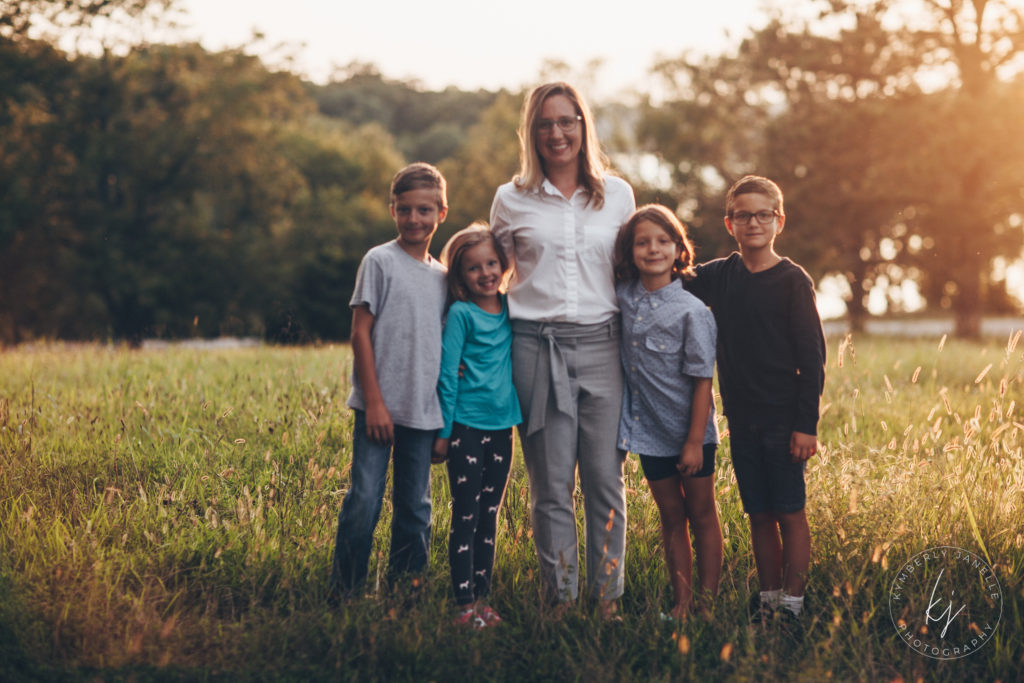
[203, 344]
[924, 327]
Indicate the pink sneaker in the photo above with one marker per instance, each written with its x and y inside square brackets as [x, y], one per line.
[469, 617]
[490, 617]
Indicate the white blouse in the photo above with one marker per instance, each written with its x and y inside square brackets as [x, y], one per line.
[561, 250]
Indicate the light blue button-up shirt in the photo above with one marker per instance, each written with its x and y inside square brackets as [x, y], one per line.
[668, 341]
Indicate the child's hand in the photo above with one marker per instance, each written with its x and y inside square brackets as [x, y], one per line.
[379, 426]
[691, 459]
[802, 446]
[439, 453]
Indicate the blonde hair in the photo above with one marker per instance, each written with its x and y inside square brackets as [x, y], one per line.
[593, 161]
[622, 257]
[477, 233]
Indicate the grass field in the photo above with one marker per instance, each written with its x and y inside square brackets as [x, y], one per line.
[170, 515]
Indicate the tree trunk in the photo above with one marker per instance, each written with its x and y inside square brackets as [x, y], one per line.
[855, 309]
[968, 323]
[967, 308]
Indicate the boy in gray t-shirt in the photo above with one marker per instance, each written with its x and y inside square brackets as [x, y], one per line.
[397, 308]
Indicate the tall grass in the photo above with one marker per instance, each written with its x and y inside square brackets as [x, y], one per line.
[171, 514]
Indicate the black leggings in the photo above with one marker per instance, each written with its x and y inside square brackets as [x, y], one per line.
[478, 466]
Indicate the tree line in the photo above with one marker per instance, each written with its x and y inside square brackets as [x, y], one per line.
[171, 191]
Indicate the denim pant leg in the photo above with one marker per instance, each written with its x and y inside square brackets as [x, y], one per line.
[360, 510]
[410, 523]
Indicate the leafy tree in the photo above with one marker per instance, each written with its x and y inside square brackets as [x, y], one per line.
[195, 184]
[885, 179]
[17, 17]
[340, 213]
[840, 148]
[707, 132]
[152, 180]
[966, 207]
[487, 158]
[30, 74]
[175, 192]
[427, 125]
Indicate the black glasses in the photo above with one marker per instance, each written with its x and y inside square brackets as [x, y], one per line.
[566, 123]
[763, 217]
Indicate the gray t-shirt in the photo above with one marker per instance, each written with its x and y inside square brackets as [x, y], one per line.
[406, 298]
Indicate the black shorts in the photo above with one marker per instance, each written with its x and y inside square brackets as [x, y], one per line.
[768, 479]
[658, 468]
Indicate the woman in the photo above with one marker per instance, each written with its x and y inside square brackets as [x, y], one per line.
[558, 219]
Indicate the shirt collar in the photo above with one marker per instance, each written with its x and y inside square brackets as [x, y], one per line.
[548, 187]
[669, 292]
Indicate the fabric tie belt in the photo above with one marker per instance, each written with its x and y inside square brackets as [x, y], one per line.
[551, 372]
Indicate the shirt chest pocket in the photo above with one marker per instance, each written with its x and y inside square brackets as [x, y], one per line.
[663, 352]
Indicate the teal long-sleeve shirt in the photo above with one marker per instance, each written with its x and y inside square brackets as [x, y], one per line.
[484, 397]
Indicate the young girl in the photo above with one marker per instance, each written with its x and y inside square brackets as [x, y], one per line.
[480, 408]
[668, 354]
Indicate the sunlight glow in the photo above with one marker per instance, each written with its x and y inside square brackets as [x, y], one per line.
[455, 42]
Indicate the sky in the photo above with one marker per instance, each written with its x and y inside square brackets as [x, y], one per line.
[478, 44]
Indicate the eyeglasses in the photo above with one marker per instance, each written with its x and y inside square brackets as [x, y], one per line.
[763, 217]
[566, 123]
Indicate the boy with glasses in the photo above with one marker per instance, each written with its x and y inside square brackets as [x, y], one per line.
[771, 372]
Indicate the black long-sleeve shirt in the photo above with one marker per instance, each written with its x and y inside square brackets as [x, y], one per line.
[771, 347]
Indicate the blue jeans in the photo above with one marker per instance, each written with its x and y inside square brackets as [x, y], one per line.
[410, 522]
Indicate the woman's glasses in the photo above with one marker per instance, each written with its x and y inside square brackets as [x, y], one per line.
[567, 124]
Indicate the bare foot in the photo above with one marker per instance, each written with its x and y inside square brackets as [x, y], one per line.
[680, 613]
[703, 610]
[608, 610]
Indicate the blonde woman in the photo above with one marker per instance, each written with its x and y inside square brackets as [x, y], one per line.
[557, 220]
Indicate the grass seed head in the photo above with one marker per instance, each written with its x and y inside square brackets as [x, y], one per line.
[981, 375]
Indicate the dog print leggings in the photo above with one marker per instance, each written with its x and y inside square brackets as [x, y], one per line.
[478, 466]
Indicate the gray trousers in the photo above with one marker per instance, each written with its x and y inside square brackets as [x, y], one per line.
[569, 381]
